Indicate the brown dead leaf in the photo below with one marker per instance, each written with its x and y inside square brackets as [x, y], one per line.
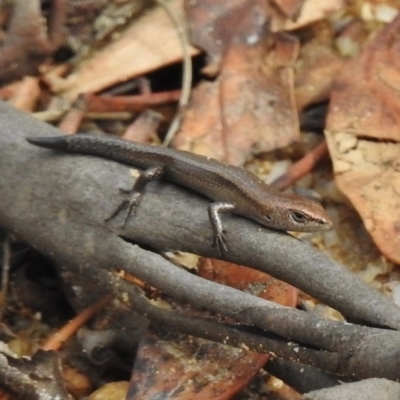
[257, 97]
[28, 41]
[366, 94]
[249, 280]
[211, 25]
[201, 130]
[253, 109]
[291, 8]
[26, 94]
[363, 133]
[316, 69]
[188, 368]
[310, 12]
[144, 128]
[149, 43]
[111, 391]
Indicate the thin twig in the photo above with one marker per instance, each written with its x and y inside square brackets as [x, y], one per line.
[140, 102]
[5, 274]
[56, 341]
[72, 121]
[186, 75]
[301, 167]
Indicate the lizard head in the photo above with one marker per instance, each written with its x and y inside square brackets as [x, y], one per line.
[295, 213]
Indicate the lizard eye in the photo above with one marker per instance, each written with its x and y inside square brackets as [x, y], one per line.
[298, 217]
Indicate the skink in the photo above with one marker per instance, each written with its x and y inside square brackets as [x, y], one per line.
[233, 189]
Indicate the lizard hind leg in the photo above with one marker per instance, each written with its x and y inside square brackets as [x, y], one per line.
[135, 194]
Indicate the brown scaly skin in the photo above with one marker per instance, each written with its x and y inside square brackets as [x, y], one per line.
[232, 189]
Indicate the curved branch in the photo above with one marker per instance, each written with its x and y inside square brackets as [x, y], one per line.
[58, 203]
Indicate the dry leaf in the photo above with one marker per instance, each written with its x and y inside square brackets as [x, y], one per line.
[201, 130]
[316, 68]
[253, 109]
[311, 11]
[110, 391]
[363, 133]
[189, 368]
[291, 8]
[149, 43]
[212, 25]
[257, 97]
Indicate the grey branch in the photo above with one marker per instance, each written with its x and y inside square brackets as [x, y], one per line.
[58, 204]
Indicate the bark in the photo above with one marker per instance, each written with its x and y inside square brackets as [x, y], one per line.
[58, 203]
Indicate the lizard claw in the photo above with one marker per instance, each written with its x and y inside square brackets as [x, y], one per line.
[125, 191]
[117, 210]
[220, 243]
[131, 204]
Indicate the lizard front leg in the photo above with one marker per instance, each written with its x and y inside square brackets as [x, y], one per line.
[135, 194]
[213, 213]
